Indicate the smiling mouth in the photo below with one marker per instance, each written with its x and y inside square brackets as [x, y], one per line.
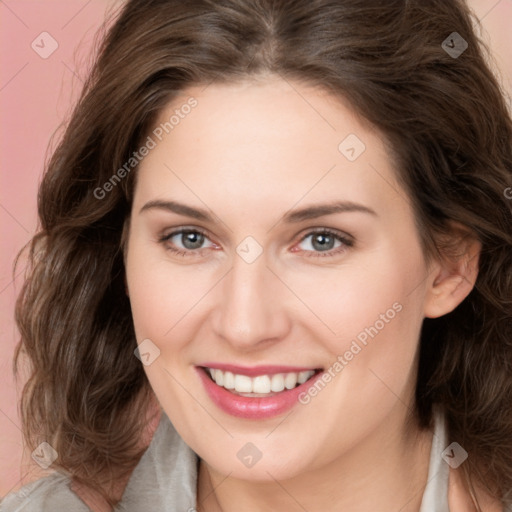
[264, 385]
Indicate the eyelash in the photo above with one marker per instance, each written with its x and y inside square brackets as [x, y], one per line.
[315, 254]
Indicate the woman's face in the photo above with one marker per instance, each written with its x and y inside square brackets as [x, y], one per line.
[256, 283]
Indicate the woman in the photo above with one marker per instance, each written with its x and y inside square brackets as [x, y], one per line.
[279, 234]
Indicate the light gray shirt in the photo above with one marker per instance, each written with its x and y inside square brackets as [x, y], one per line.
[165, 479]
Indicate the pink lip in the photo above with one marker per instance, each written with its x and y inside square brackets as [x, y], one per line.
[254, 371]
[257, 407]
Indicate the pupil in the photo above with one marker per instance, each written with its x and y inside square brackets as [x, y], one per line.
[189, 237]
[323, 244]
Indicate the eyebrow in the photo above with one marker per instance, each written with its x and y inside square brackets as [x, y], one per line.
[294, 216]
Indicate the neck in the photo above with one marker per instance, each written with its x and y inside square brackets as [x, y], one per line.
[388, 468]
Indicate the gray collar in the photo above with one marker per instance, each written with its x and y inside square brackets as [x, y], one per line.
[165, 477]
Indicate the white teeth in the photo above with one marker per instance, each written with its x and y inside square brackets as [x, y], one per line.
[303, 377]
[262, 384]
[243, 383]
[290, 380]
[277, 383]
[219, 377]
[229, 380]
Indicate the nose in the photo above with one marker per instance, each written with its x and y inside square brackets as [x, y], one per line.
[250, 308]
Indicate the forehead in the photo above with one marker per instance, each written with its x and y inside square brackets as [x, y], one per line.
[271, 140]
[276, 114]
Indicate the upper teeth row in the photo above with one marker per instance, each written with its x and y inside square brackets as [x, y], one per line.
[261, 383]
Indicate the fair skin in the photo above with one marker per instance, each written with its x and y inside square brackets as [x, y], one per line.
[249, 153]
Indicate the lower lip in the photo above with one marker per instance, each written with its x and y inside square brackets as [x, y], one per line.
[254, 408]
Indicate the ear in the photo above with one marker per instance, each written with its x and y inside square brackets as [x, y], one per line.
[453, 275]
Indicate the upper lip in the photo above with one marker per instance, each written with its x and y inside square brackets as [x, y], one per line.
[254, 371]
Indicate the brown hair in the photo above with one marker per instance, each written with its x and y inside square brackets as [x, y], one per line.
[447, 125]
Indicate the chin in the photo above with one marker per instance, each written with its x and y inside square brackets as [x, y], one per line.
[266, 465]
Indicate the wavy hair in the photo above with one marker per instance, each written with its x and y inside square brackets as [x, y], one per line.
[447, 127]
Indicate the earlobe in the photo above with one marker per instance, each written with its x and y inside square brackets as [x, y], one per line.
[453, 279]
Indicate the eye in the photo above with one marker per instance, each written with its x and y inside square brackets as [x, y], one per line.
[323, 240]
[191, 240]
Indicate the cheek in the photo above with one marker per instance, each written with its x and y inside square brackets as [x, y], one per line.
[375, 297]
[159, 295]
[378, 330]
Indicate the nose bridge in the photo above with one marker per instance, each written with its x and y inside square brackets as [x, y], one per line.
[249, 307]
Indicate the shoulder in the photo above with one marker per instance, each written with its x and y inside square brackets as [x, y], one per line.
[460, 500]
[47, 494]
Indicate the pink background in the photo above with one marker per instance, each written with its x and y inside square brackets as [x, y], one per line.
[36, 95]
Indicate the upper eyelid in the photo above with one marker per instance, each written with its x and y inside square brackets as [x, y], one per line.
[178, 231]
